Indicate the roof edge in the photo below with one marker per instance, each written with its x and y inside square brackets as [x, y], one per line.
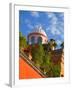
[29, 62]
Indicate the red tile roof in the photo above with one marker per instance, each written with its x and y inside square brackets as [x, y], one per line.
[27, 69]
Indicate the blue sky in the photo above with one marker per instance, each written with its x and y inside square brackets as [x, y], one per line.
[51, 22]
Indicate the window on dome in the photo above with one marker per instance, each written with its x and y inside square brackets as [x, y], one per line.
[32, 40]
[39, 40]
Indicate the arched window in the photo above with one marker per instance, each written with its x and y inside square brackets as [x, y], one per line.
[32, 40]
[39, 40]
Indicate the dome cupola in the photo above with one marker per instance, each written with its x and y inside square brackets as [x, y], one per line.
[38, 35]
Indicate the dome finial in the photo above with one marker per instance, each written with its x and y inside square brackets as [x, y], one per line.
[40, 27]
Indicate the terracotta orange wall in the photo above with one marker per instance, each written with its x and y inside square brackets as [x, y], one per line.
[26, 71]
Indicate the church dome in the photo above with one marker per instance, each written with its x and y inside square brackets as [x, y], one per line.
[40, 30]
[38, 35]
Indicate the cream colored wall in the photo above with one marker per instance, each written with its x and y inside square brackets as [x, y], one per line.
[62, 65]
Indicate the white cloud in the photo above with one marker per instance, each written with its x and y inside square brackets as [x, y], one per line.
[47, 29]
[28, 22]
[55, 31]
[62, 36]
[30, 26]
[53, 23]
[61, 15]
[58, 42]
[50, 14]
[56, 26]
[35, 14]
[60, 26]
